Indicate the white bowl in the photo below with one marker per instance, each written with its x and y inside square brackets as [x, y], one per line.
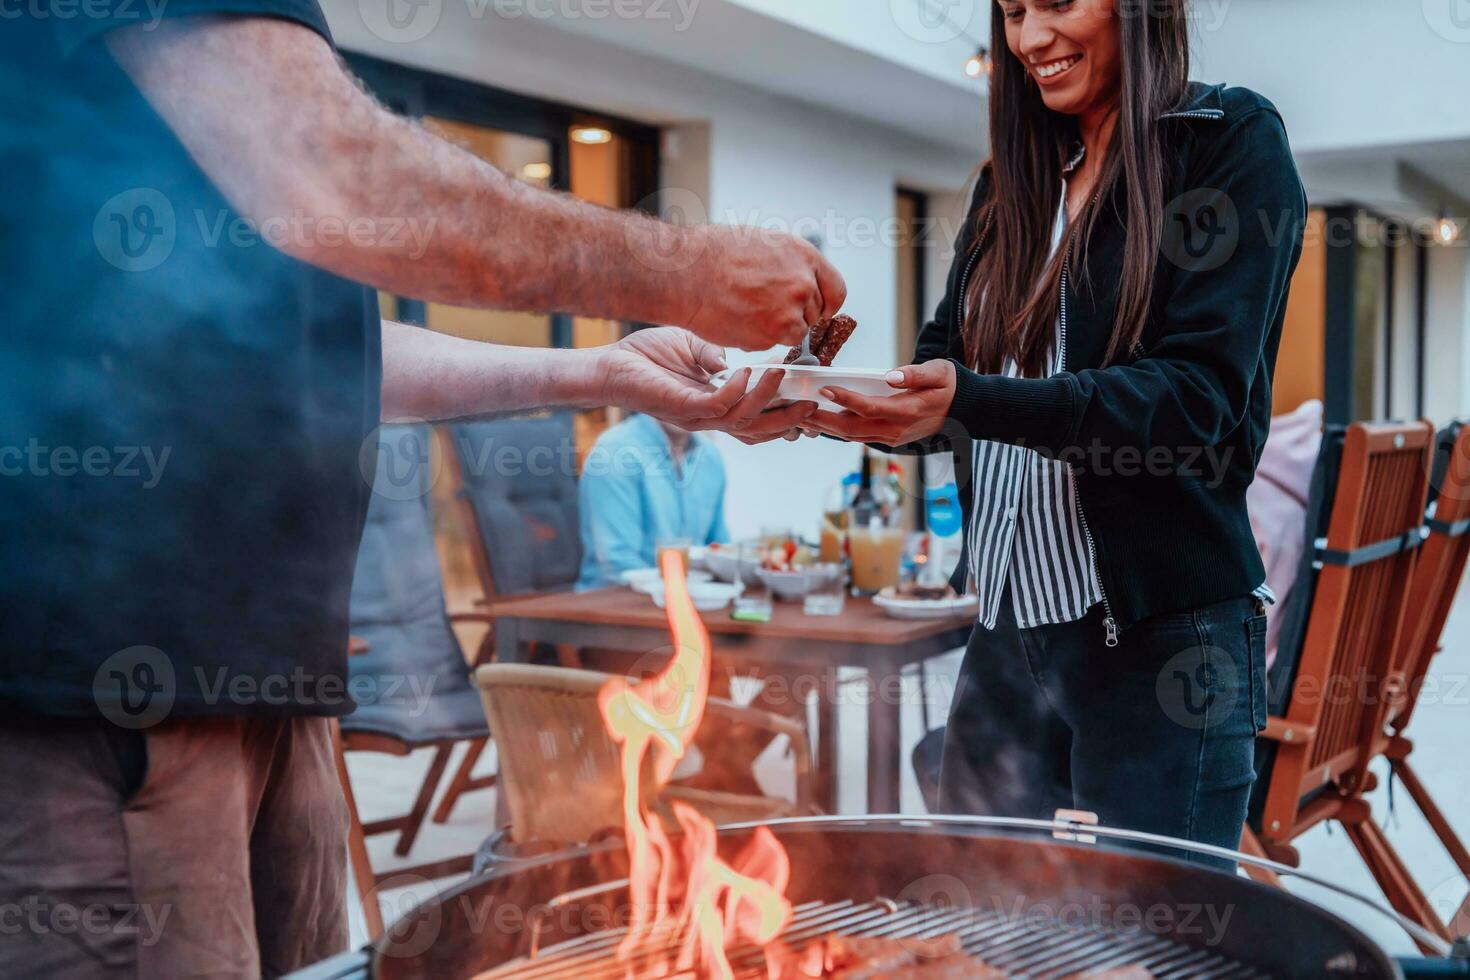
[898, 608]
[645, 580]
[707, 596]
[723, 563]
[795, 583]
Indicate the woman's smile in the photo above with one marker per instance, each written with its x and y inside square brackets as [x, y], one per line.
[1049, 71]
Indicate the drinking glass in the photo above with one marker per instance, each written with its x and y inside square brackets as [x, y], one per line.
[828, 593]
[877, 553]
[754, 599]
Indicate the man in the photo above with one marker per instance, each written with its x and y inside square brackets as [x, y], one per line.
[188, 373]
[646, 481]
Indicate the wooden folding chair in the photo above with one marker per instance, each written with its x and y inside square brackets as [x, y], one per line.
[1349, 678]
[560, 769]
[1436, 580]
[514, 488]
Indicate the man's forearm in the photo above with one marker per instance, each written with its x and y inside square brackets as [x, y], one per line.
[430, 376]
[293, 140]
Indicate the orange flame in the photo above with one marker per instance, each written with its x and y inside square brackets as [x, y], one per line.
[682, 884]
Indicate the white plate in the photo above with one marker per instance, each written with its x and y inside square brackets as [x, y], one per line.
[925, 608]
[802, 382]
[645, 580]
[707, 596]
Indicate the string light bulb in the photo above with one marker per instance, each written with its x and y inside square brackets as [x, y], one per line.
[978, 63]
[1449, 229]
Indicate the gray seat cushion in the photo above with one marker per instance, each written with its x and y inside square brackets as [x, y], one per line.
[521, 481]
[413, 683]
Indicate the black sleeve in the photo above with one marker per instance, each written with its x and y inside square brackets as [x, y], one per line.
[1192, 387]
[106, 15]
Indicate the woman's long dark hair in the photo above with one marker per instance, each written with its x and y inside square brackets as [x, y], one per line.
[1030, 145]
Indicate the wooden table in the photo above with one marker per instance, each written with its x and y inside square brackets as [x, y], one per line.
[812, 647]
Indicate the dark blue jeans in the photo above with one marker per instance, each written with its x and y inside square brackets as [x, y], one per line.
[1156, 734]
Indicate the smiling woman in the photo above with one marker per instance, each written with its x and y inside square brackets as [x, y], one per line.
[1107, 319]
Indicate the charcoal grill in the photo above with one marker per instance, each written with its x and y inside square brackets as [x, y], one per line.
[1018, 898]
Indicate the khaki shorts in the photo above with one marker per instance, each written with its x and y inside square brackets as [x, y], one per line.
[208, 847]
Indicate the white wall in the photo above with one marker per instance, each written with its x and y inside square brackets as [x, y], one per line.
[1447, 357]
[1345, 73]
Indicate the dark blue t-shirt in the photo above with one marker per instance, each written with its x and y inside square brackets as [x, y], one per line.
[182, 406]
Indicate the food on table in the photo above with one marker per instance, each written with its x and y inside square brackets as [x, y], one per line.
[868, 958]
[930, 593]
[787, 555]
[826, 338]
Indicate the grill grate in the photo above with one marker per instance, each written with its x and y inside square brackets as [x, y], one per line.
[1017, 946]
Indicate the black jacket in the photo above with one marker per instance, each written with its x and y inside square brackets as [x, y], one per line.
[1164, 442]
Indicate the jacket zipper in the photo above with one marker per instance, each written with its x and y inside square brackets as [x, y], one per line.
[1110, 625]
[1194, 114]
[970, 268]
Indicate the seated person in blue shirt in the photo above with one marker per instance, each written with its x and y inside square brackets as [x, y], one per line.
[644, 482]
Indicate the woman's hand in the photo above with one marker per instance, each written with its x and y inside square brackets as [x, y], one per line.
[917, 413]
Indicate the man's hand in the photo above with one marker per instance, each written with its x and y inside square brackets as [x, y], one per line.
[917, 413]
[759, 289]
[666, 373]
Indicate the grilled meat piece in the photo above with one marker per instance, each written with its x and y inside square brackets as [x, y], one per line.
[868, 958]
[825, 338]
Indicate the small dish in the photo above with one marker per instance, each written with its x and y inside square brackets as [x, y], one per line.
[645, 580]
[899, 608]
[793, 584]
[803, 382]
[707, 596]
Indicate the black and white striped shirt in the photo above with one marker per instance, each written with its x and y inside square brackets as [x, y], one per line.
[1026, 529]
